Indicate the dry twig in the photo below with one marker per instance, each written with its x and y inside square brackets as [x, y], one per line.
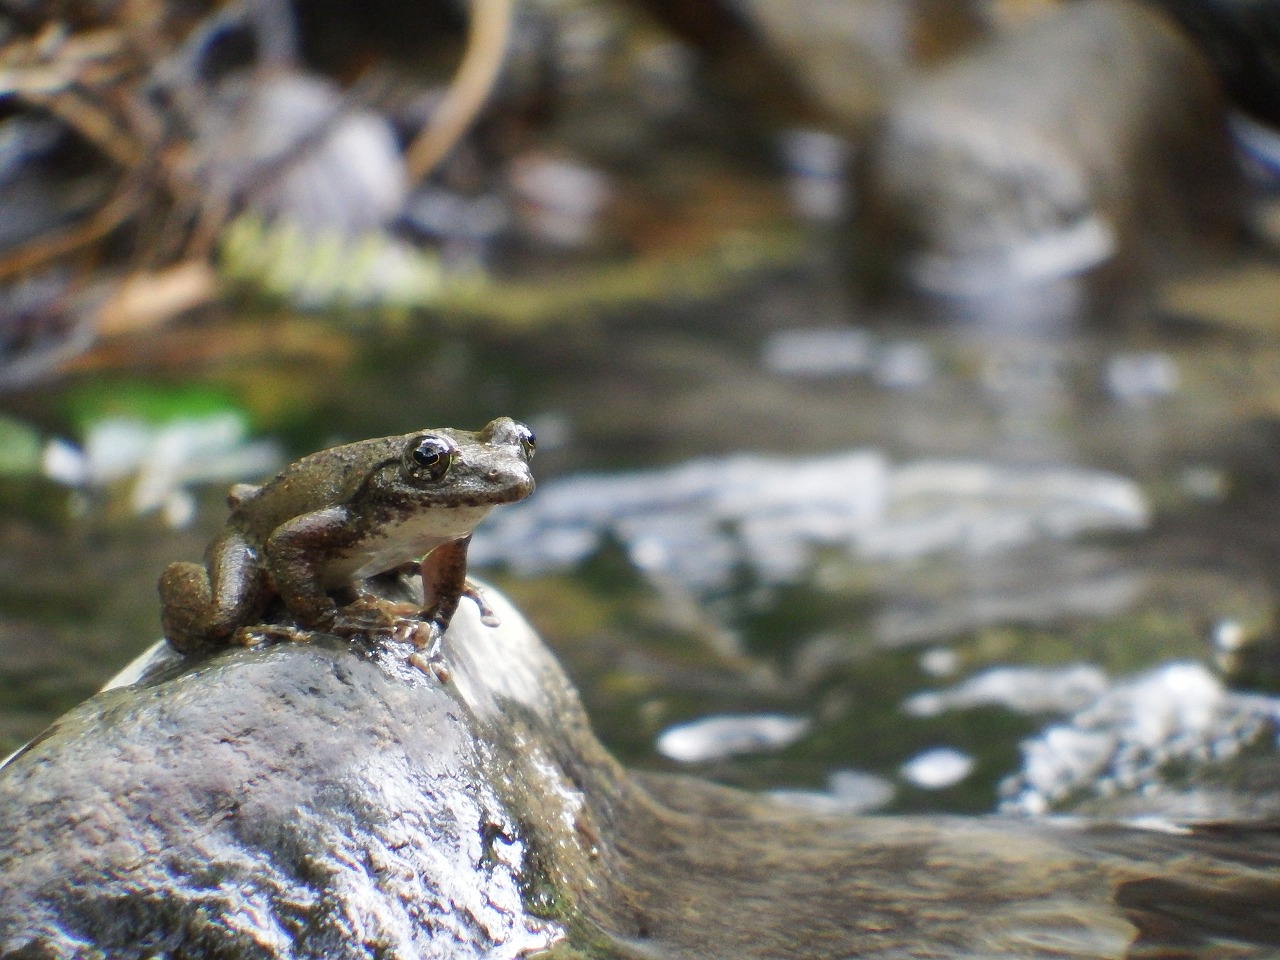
[471, 86]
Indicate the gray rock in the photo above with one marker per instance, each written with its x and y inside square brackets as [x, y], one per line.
[308, 800]
[1096, 132]
[848, 55]
[329, 799]
[290, 146]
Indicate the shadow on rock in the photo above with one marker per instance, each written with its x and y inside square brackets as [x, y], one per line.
[328, 799]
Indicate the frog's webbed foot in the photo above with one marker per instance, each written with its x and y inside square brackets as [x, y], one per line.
[370, 615]
[430, 662]
[376, 616]
[262, 633]
[442, 604]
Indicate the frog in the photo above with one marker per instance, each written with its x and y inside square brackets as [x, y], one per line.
[335, 519]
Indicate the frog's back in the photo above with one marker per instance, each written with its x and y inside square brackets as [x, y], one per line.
[325, 479]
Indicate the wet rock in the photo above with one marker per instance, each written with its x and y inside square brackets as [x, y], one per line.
[1093, 133]
[300, 800]
[331, 800]
[289, 145]
[845, 54]
[1127, 749]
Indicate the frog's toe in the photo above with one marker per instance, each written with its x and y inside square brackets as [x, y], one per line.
[431, 666]
[372, 617]
[265, 633]
[428, 637]
[487, 616]
[418, 632]
[368, 612]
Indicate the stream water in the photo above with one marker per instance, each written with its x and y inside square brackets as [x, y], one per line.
[860, 556]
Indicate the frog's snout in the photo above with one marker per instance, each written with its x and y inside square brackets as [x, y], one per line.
[514, 478]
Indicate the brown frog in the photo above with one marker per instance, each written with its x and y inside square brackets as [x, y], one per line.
[340, 516]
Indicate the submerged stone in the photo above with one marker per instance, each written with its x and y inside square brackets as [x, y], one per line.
[1096, 133]
[329, 799]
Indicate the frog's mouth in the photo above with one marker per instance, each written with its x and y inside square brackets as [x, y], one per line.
[512, 493]
[518, 490]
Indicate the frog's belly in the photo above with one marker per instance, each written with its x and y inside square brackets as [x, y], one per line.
[400, 542]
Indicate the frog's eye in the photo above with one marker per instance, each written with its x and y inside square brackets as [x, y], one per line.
[429, 458]
[528, 442]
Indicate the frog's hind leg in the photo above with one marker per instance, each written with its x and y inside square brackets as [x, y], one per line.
[202, 606]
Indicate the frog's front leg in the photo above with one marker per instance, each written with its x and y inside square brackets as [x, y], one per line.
[202, 606]
[444, 584]
[444, 581]
[295, 555]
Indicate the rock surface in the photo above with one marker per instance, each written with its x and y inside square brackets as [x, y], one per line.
[1094, 133]
[331, 800]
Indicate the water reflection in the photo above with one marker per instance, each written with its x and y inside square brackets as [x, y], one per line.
[1068, 251]
[1022, 689]
[847, 791]
[721, 736]
[705, 520]
[937, 768]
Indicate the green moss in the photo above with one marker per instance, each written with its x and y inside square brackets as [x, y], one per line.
[386, 279]
[95, 400]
